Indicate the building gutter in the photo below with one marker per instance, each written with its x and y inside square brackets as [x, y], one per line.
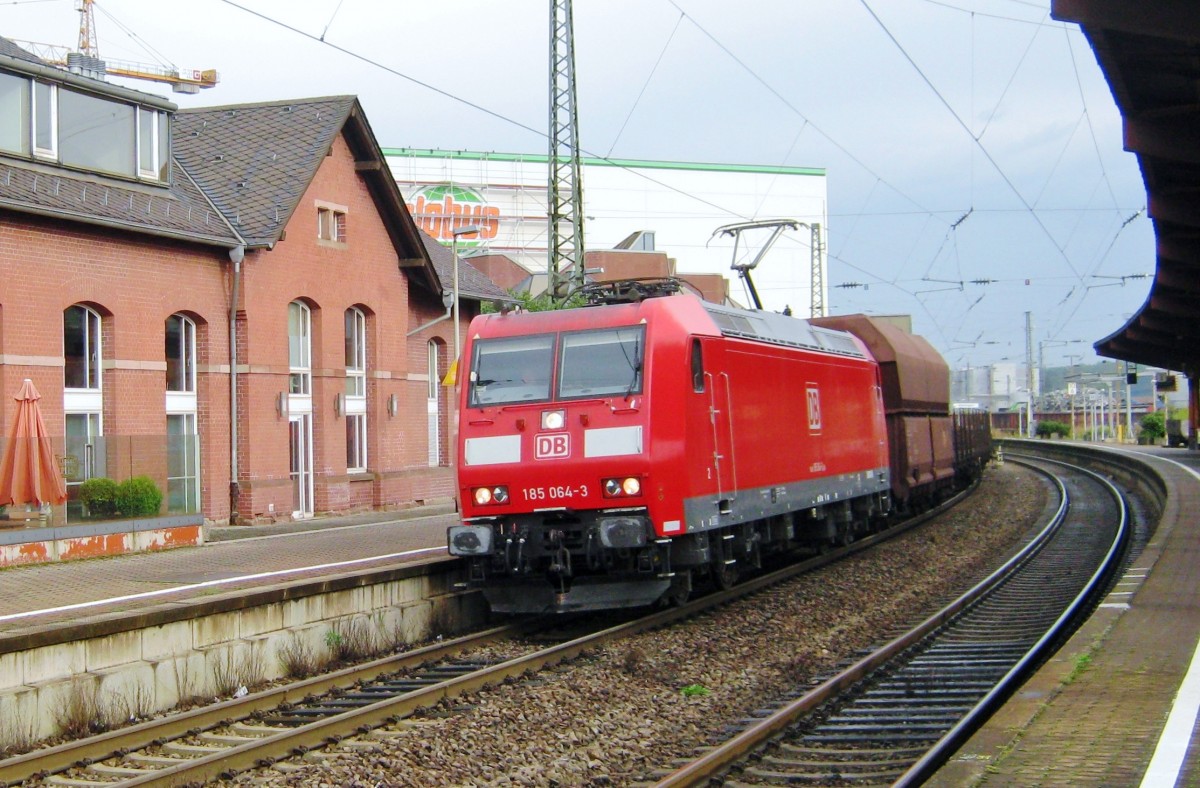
[434, 322]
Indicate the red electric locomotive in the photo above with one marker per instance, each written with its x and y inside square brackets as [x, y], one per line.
[611, 455]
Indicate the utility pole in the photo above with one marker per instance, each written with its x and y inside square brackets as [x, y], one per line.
[1029, 372]
[817, 269]
[565, 259]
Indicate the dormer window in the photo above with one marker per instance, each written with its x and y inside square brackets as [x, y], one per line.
[45, 120]
[152, 143]
[87, 131]
[14, 114]
[96, 134]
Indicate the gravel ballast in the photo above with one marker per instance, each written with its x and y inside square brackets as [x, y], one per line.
[629, 709]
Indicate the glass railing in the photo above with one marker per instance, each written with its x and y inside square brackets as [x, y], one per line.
[121, 476]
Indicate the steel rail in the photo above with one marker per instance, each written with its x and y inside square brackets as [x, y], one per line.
[266, 749]
[957, 736]
[134, 737]
[718, 759]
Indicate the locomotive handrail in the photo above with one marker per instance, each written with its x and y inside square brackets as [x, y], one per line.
[712, 419]
[732, 448]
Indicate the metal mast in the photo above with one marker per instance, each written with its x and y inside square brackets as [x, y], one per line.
[817, 301]
[565, 267]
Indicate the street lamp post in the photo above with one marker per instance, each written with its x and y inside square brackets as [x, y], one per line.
[470, 229]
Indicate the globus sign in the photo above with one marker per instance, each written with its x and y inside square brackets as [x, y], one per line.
[441, 209]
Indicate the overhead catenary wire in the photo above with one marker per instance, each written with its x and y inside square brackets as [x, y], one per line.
[983, 149]
[851, 221]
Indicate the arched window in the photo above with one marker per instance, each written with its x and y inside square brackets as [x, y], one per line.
[356, 390]
[83, 401]
[300, 408]
[183, 441]
[299, 348]
[81, 348]
[434, 406]
[181, 354]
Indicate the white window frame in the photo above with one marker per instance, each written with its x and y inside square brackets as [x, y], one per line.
[300, 352]
[356, 390]
[191, 478]
[356, 354]
[87, 399]
[182, 404]
[433, 405]
[52, 151]
[331, 224]
[91, 462]
[356, 442]
[187, 355]
[151, 136]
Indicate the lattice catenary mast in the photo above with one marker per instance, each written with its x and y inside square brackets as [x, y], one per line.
[565, 267]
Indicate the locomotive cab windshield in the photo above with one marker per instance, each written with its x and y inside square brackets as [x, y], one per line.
[596, 363]
[515, 369]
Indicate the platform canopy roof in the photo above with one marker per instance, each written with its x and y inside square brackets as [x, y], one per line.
[1149, 52]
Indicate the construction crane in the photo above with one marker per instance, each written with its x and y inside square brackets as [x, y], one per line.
[86, 60]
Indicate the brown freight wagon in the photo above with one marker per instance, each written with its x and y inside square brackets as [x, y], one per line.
[916, 401]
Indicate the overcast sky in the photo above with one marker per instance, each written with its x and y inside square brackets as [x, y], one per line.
[972, 147]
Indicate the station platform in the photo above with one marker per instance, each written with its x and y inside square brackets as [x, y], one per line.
[1117, 705]
[37, 597]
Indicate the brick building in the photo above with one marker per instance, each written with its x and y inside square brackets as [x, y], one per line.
[232, 300]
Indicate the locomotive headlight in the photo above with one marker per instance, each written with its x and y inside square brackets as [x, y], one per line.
[483, 496]
[469, 540]
[622, 486]
[553, 419]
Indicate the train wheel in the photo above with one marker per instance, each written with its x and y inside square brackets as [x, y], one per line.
[680, 591]
[725, 575]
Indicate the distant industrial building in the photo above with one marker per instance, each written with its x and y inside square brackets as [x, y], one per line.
[996, 387]
[670, 209]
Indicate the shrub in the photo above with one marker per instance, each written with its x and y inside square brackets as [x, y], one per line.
[99, 495]
[1047, 428]
[1154, 425]
[138, 497]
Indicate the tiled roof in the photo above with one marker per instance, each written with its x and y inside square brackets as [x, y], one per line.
[472, 283]
[11, 49]
[238, 174]
[254, 161]
[178, 212]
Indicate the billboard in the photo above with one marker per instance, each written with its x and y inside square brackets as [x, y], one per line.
[677, 204]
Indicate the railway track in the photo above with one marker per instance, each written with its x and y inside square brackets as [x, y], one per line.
[217, 741]
[897, 714]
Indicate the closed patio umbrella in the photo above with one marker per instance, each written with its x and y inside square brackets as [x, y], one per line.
[29, 472]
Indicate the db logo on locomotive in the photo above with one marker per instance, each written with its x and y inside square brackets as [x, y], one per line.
[552, 447]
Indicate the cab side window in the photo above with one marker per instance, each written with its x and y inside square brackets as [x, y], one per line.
[697, 367]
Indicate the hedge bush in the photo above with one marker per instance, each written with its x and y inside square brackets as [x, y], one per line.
[1047, 428]
[99, 495]
[139, 497]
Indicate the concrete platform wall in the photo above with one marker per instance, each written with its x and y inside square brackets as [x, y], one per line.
[158, 660]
